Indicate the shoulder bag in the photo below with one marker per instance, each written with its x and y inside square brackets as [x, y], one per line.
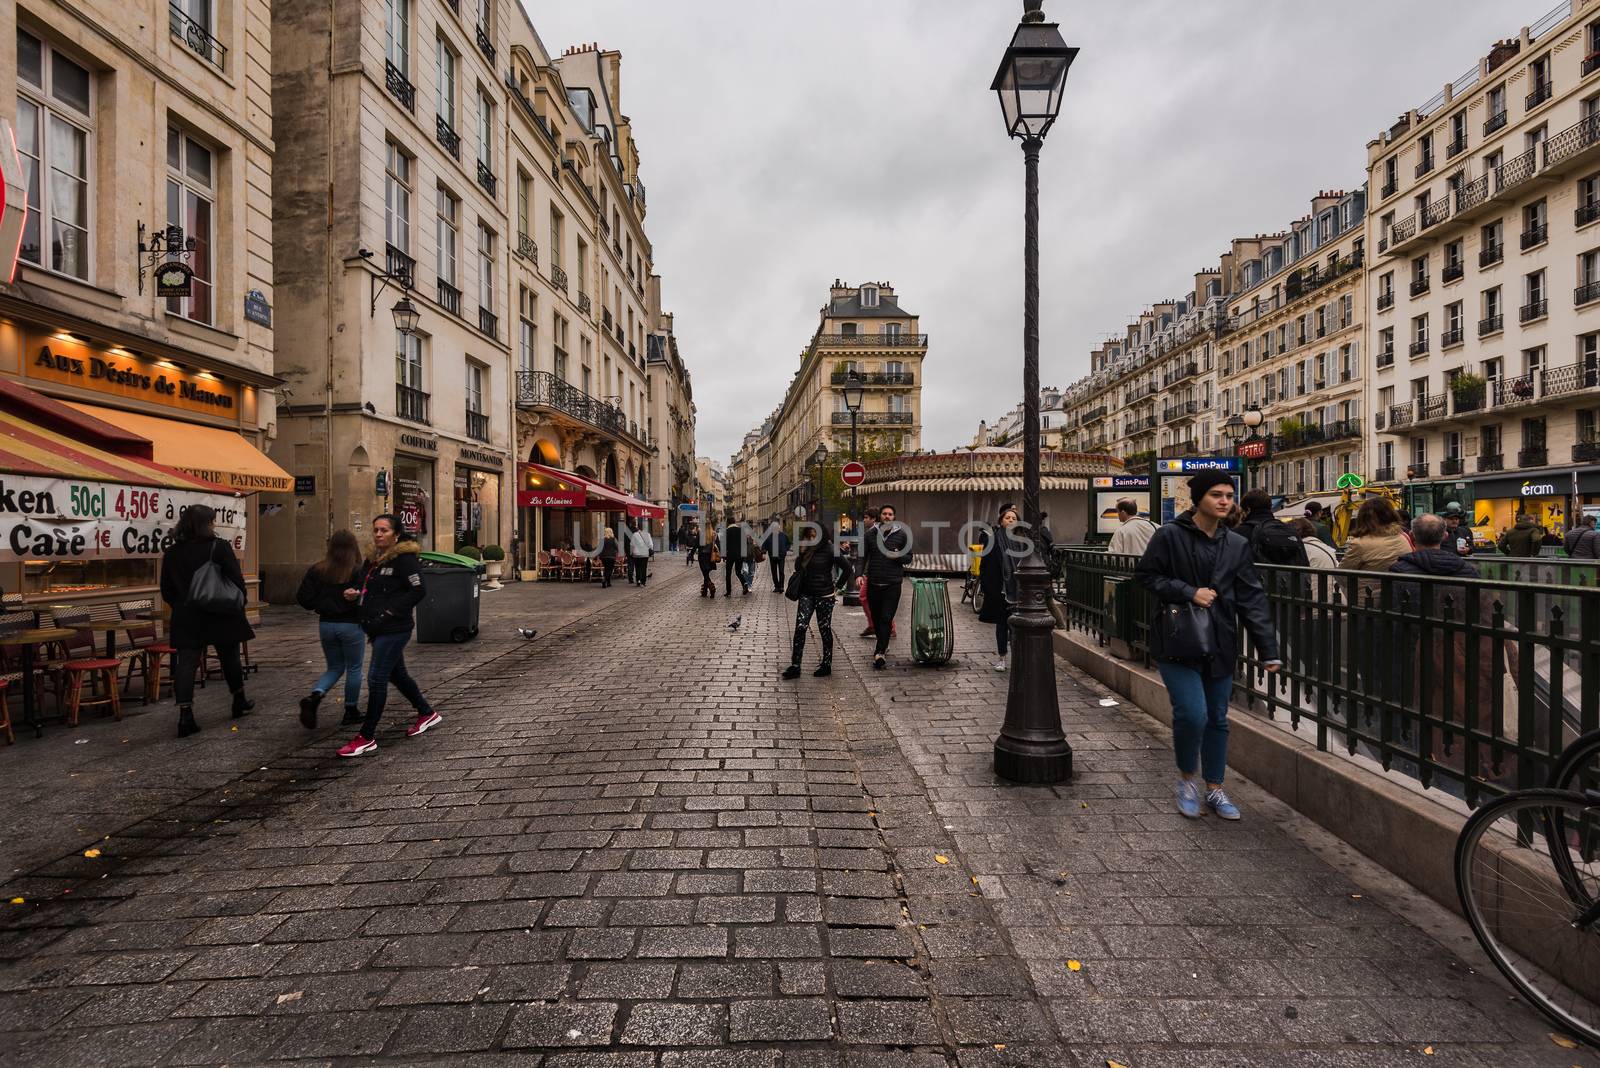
[211, 592]
[1188, 631]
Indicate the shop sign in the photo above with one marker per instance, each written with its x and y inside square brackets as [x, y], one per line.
[411, 505]
[552, 498]
[173, 279]
[1122, 482]
[1253, 449]
[417, 441]
[1531, 488]
[488, 459]
[1191, 465]
[120, 375]
[256, 308]
[73, 519]
[305, 485]
[1543, 484]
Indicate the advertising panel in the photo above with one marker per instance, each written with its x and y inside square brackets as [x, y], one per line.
[45, 518]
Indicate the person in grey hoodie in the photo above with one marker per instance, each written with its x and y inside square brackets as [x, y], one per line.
[639, 549]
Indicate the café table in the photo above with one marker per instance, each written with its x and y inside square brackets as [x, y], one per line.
[110, 627]
[29, 638]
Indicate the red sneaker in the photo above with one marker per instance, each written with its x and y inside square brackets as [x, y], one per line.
[432, 719]
[357, 746]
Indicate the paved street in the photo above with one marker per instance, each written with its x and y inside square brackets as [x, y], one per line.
[631, 845]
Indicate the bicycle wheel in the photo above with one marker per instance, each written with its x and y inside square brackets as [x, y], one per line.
[1579, 766]
[1528, 874]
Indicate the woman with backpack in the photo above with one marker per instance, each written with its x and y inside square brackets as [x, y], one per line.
[330, 588]
[997, 578]
[819, 573]
[204, 587]
[391, 586]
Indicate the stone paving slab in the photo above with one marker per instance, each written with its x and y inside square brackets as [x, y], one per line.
[631, 844]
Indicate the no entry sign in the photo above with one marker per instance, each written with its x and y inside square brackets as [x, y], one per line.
[852, 474]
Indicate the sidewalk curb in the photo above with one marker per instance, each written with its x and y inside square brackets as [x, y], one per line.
[1408, 835]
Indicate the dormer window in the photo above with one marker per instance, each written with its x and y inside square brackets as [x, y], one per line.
[869, 296]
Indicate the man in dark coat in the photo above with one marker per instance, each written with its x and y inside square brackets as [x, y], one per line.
[775, 543]
[1271, 540]
[1523, 539]
[889, 546]
[736, 549]
[193, 627]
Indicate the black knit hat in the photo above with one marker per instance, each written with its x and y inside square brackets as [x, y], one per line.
[1198, 484]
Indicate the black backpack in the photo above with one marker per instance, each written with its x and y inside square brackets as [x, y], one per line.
[1274, 543]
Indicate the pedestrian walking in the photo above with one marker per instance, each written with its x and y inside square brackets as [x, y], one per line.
[1318, 517]
[689, 542]
[1271, 540]
[1046, 540]
[1584, 540]
[1319, 554]
[330, 588]
[1457, 534]
[639, 549]
[997, 578]
[1132, 538]
[775, 543]
[820, 572]
[1523, 539]
[886, 570]
[391, 587]
[204, 587]
[1205, 579]
[608, 558]
[869, 520]
[735, 547]
[708, 557]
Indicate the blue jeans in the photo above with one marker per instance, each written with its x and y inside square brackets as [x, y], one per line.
[343, 646]
[1199, 719]
[389, 665]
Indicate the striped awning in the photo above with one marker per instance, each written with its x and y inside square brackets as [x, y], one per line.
[974, 484]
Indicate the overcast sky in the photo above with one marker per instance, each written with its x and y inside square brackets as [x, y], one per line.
[786, 144]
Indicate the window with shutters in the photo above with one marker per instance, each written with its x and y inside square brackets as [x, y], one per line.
[55, 139]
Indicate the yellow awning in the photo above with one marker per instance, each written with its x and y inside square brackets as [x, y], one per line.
[229, 459]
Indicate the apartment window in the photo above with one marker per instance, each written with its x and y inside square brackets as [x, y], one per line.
[847, 329]
[486, 14]
[447, 60]
[1452, 445]
[1419, 272]
[1533, 360]
[1589, 199]
[1533, 216]
[408, 360]
[485, 130]
[527, 331]
[1385, 289]
[485, 268]
[1491, 303]
[446, 235]
[1539, 80]
[1391, 175]
[1452, 255]
[899, 402]
[555, 237]
[1453, 318]
[558, 334]
[55, 139]
[524, 203]
[1419, 334]
[588, 380]
[396, 197]
[1425, 154]
[869, 296]
[1533, 287]
[397, 36]
[891, 330]
[191, 196]
[474, 388]
[1589, 268]
[1386, 341]
[1489, 440]
[1497, 106]
[1458, 132]
[1419, 451]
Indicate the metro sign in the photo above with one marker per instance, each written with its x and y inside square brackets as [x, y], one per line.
[1253, 449]
[13, 202]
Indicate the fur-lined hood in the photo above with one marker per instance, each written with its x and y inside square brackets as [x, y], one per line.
[399, 548]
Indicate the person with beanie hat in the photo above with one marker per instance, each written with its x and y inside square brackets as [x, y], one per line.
[1196, 561]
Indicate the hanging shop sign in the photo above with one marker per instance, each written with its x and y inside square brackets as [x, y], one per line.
[72, 519]
[117, 374]
[173, 279]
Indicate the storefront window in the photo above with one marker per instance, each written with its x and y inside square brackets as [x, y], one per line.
[413, 497]
[85, 576]
[477, 507]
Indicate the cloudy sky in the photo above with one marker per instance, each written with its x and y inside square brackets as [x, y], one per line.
[785, 144]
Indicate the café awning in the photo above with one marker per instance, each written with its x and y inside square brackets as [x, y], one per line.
[213, 454]
[540, 486]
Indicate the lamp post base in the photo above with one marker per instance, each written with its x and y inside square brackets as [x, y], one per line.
[1031, 747]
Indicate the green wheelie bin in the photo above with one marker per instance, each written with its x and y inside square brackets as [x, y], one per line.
[933, 625]
[449, 608]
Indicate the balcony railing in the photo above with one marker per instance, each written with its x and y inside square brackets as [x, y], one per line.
[399, 264]
[1491, 255]
[1419, 347]
[541, 389]
[1516, 170]
[1417, 470]
[410, 403]
[1388, 190]
[1574, 139]
[1491, 461]
[1491, 325]
[1404, 230]
[1509, 391]
[1586, 451]
[1573, 378]
[447, 136]
[874, 378]
[1472, 193]
[1385, 474]
[1402, 414]
[1542, 91]
[1385, 358]
[1469, 398]
[197, 37]
[1533, 456]
[485, 45]
[488, 323]
[872, 341]
[1180, 448]
[1534, 236]
[1451, 467]
[585, 305]
[1591, 63]
[1424, 165]
[1536, 309]
[1307, 437]
[1453, 272]
[477, 425]
[486, 178]
[1436, 212]
[1450, 338]
[1181, 372]
[1419, 286]
[449, 297]
[527, 249]
[558, 277]
[400, 86]
[1456, 147]
[1386, 300]
[875, 418]
[1494, 122]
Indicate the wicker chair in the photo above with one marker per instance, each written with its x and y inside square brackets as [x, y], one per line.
[150, 656]
[82, 664]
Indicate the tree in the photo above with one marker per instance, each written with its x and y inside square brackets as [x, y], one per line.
[875, 445]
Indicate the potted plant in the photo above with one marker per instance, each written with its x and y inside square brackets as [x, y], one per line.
[493, 563]
[1468, 390]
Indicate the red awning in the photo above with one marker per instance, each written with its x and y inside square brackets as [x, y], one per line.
[540, 486]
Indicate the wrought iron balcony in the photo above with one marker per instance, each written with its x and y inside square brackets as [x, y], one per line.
[874, 378]
[1583, 134]
[1180, 448]
[1469, 399]
[1404, 230]
[1385, 358]
[872, 341]
[400, 265]
[485, 45]
[486, 178]
[1585, 214]
[1533, 456]
[875, 418]
[447, 136]
[1494, 122]
[449, 297]
[1586, 293]
[1516, 170]
[527, 249]
[558, 277]
[1470, 194]
[1491, 461]
[1419, 286]
[1386, 300]
[1452, 272]
[1510, 391]
[1450, 338]
[585, 305]
[1586, 451]
[410, 404]
[197, 37]
[1456, 147]
[1181, 372]
[1419, 347]
[1388, 190]
[1424, 165]
[1402, 414]
[1491, 254]
[541, 389]
[1385, 474]
[1542, 91]
[477, 425]
[1451, 467]
[605, 319]
[1572, 378]
[1534, 236]
[1436, 212]
[1417, 470]
[1591, 63]
[1536, 309]
[488, 323]
[400, 86]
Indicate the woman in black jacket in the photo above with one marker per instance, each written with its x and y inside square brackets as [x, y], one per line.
[820, 571]
[1196, 560]
[608, 557]
[193, 628]
[391, 586]
[997, 578]
[331, 588]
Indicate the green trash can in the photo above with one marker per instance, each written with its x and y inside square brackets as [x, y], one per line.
[449, 608]
[933, 625]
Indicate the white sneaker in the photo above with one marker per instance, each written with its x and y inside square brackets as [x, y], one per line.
[1000, 665]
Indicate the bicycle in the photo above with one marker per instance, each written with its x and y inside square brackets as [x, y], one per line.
[1539, 924]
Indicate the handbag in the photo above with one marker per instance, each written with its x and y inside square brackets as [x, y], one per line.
[1188, 631]
[210, 591]
[791, 589]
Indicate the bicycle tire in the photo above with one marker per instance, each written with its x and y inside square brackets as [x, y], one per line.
[1507, 908]
[1583, 753]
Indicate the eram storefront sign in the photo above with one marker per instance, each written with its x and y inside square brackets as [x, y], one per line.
[72, 519]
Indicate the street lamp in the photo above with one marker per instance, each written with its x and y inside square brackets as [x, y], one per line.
[1031, 746]
[1248, 444]
[818, 458]
[405, 316]
[853, 382]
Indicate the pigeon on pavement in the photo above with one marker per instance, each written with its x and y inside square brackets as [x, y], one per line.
[527, 634]
[736, 621]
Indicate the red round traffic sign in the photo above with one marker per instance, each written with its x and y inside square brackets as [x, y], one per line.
[852, 474]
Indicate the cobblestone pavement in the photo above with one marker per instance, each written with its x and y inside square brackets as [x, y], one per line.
[631, 846]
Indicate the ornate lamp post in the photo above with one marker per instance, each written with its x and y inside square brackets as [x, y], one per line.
[1248, 444]
[819, 458]
[1031, 746]
[853, 382]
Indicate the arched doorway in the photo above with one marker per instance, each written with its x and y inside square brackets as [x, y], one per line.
[611, 472]
[543, 452]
